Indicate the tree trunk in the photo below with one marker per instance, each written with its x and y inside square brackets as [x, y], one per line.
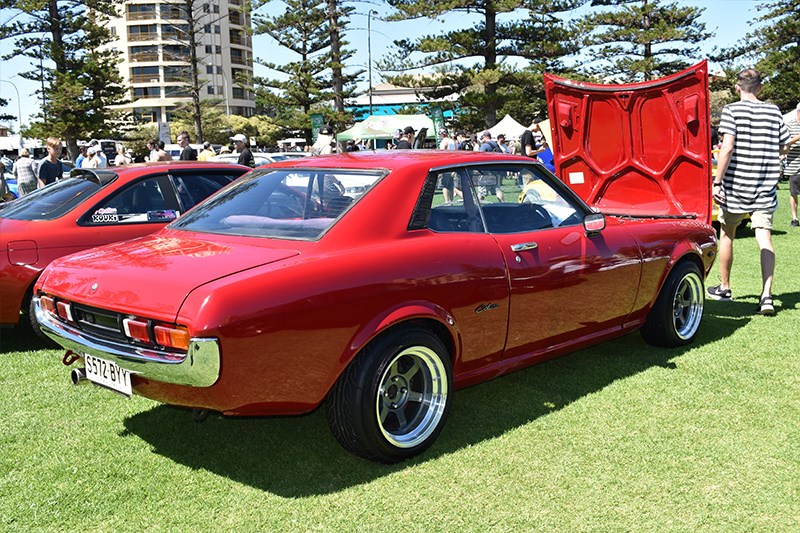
[193, 70]
[491, 63]
[337, 79]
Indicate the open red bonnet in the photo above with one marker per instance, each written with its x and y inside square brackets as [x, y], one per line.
[641, 149]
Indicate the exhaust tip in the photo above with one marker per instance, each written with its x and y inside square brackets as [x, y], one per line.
[78, 375]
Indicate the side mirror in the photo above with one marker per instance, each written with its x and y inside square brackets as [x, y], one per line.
[594, 223]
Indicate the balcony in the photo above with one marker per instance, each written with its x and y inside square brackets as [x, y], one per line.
[141, 15]
[148, 36]
[141, 57]
[144, 78]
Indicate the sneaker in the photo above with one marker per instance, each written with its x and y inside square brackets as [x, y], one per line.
[795, 223]
[718, 293]
[766, 306]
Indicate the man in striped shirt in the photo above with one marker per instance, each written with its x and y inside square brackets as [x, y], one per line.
[748, 171]
[793, 164]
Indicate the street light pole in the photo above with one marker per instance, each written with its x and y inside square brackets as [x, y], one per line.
[19, 108]
[369, 55]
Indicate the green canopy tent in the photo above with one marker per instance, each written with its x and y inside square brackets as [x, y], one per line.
[384, 126]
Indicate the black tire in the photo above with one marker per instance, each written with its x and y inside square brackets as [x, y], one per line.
[676, 316]
[392, 401]
[33, 324]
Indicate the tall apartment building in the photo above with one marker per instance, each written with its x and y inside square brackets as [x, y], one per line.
[153, 36]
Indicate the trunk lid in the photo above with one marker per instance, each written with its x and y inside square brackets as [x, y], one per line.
[139, 276]
[641, 149]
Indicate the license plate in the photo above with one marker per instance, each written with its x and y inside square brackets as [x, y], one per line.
[108, 374]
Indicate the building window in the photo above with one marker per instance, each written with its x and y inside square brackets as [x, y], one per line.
[144, 75]
[143, 53]
[173, 11]
[213, 69]
[210, 49]
[178, 32]
[141, 12]
[177, 74]
[143, 32]
[238, 92]
[176, 91]
[176, 52]
[144, 116]
[146, 92]
[238, 57]
[214, 89]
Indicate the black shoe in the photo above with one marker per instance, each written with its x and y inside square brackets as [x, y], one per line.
[766, 306]
[795, 223]
[717, 293]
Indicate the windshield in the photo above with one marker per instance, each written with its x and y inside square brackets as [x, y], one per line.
[281, 203]
[52, 201]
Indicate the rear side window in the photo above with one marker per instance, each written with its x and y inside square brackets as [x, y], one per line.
[52, 201]
[193, 188]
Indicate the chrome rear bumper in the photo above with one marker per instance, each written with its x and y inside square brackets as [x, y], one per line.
[198, 368]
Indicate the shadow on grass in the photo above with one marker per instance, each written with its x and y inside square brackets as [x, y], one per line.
[297, 456]
[22, 339]
[734, 314]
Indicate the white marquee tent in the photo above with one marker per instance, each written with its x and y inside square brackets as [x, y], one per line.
[508, 127]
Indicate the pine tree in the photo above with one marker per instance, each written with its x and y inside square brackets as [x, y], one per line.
[541, 39]
[84, 81]
[774, 49]
[641, 39]
[313, 77]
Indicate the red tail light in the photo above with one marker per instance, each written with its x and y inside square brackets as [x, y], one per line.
[136, 329]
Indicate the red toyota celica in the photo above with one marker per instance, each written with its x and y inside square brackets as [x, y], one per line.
[346, 280]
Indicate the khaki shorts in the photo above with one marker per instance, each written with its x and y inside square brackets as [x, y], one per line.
[758, 219]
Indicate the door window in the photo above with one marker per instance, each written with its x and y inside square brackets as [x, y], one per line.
[142, 201]
[194, 188]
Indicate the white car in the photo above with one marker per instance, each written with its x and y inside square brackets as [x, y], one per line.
[261, 158]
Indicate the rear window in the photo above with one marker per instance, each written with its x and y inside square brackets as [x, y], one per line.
[52, 201]
[281, 203]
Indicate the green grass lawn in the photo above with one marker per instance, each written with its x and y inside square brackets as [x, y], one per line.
[622, 436]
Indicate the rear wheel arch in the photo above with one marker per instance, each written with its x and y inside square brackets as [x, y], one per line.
[361, 404]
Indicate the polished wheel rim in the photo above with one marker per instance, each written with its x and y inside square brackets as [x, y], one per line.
[412, 396]
[687, 308]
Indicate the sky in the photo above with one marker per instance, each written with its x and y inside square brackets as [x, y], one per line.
[729, 20]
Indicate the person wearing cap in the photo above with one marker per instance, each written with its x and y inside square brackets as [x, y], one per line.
[446, 143]
[245, 155]
[325, 141]
[406, 141]
[206, 153]
[91, 160]
[504, 146]
[487, 144]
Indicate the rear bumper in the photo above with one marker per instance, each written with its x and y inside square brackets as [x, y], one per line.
[200, 366]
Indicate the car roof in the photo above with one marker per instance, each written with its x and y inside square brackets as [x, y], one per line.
[400, 159]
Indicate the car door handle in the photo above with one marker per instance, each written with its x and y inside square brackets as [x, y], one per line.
[523, 246]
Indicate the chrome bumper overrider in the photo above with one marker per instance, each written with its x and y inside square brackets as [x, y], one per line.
[198, 368]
